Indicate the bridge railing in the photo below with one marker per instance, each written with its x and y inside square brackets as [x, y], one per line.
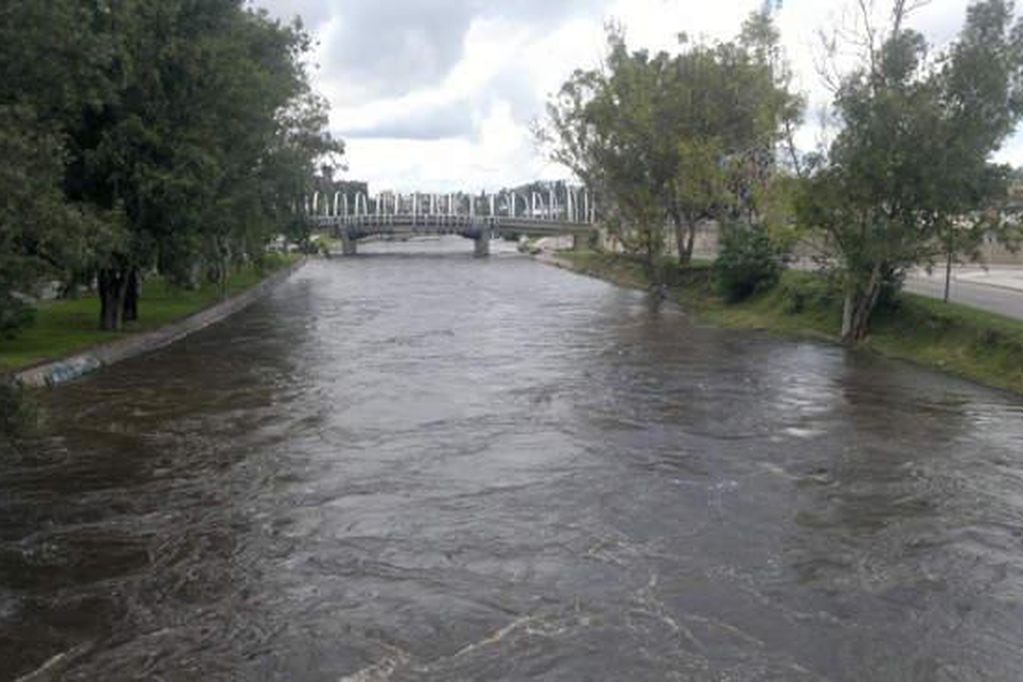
[569, 205]
[496, 223]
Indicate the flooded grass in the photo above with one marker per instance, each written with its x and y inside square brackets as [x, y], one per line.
[65, 327]
[971, 343]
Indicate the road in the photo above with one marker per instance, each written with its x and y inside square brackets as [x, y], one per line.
[996, 299]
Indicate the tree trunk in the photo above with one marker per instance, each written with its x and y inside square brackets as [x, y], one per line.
[649, 261]
[223, 278]
[860, 302]
[690, 240]
[685, 234]
[224, 254]
[948, 275]
[677, 223]
[131, 296]
[113, 284]
[680, 240]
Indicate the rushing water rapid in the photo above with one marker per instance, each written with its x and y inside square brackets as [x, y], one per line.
[422, 466]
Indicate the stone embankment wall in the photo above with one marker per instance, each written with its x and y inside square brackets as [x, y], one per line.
[60, 371]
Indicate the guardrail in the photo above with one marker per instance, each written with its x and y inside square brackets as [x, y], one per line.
[388, 222]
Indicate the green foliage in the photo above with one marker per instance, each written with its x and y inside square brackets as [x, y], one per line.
[68, 326]
[675, 138]
[811, 293]
[14, 315]
[40, 235]
[909, 175]
[747, 263]
[973, 343]
[142, 133]
[266, 263]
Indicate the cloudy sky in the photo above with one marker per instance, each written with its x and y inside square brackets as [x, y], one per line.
[439, 94]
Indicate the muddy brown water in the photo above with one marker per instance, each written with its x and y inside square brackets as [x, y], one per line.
[415, 465]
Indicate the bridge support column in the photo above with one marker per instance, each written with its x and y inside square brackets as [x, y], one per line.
[579, 242]
[347, 245]
[481, 244]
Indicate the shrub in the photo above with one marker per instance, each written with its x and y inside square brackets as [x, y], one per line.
[15, 315]
[747, 263]
[269, 262]
[809, 292]
[888, 298]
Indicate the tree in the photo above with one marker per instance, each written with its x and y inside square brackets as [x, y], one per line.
[49, 60]
[674, 138]
[911, 162]
[978, 72]
[189, 141]
[726, 118]
[174, 134]
[40, 234]
[628, 157]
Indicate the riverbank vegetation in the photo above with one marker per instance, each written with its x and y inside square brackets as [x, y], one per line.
[154, 145]
[66, 326]
[706, 134]
[971, 343]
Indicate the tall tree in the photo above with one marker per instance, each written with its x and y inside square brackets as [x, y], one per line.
[50, 63]
[674, 139]
[183, 144]
[41, 236]
[910, 167]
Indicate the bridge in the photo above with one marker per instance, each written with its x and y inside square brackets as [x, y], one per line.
[566, 211]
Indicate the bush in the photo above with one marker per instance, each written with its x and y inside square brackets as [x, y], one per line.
[809, 292]
[269, 262]
[888, 298]
[15, 315]
[747, 263]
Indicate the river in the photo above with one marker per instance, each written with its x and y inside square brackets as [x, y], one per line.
[416, 465]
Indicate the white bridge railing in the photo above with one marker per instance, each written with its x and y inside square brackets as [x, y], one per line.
[569, 206]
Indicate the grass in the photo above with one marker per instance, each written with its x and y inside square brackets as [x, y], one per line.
[968, 342]
[65, 327]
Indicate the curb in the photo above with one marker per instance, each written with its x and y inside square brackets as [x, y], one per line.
[70, 368]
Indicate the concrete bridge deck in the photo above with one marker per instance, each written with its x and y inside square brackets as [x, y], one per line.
[481, 229]
[565, 211]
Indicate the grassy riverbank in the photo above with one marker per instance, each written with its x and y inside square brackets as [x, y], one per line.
[65, 327]
[971, 343]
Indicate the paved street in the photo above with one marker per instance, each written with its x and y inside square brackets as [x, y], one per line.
[998, 290]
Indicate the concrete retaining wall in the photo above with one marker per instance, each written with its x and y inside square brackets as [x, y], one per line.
[57, 372]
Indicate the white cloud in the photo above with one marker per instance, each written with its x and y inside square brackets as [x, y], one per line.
[440, 95]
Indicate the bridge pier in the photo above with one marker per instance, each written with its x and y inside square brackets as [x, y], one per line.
[481, 244]
[579, 242]
[348, 247]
